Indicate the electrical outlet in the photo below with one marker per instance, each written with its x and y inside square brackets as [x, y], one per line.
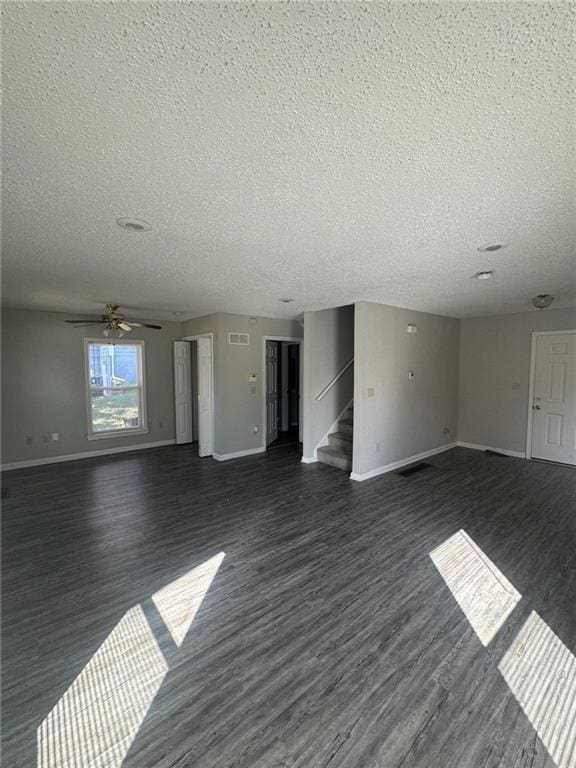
[370, 392]
[446, 430]
[255, 429]
[55, 437]
[411, 375]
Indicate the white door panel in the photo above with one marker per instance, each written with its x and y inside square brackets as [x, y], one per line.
[183, 391]
[554, 401]
[205, 398]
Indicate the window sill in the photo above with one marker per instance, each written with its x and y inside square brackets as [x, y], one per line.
[118, 433]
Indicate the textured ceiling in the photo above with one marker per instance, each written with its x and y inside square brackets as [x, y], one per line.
[323, 151]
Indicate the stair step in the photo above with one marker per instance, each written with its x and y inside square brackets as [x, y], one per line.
[335, 457]
[342, 440]
[346, 425]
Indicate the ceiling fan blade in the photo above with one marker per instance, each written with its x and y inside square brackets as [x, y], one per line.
[86, 322]
[124, 325]
[145, 325]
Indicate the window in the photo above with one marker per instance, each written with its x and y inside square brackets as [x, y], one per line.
[115, 388]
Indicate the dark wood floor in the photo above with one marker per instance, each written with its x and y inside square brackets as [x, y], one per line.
[328, 636]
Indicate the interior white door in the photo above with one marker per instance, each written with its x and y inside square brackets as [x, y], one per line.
[205, 397]
[554, 402]
[183, 391]
[271, 391]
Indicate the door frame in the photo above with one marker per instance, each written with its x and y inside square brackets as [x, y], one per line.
[210, 336]
[535, 335]
[292, 340]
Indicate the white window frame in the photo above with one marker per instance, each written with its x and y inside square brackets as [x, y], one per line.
[143, 428]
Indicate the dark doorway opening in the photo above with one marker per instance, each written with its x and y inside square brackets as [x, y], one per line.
[284, 416]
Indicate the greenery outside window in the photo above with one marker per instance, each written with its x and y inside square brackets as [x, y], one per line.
[115, 392]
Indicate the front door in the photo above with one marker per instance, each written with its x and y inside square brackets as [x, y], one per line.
[554, 401]
[271, 391]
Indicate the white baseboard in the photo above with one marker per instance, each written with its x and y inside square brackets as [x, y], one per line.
[505, 451]
[238, 454]
[402, 463]
[84, 455]
[309, 460]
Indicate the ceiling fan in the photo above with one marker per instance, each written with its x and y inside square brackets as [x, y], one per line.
[115, 324]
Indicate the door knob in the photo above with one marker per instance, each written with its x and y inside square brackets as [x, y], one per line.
[536, 407]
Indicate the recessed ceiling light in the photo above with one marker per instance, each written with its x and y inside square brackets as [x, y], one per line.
[285, 301]
[485, 274]
[134, 225]
[491, 247]
[176, 314]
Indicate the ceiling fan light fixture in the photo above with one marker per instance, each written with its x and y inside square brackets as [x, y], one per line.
[113, 332]
[115, 323]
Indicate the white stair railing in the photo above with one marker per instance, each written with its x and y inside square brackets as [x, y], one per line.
[339, 375]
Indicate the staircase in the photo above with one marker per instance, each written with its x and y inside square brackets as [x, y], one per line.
[338, 452]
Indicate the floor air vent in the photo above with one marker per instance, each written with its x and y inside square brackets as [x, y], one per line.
[413, 469]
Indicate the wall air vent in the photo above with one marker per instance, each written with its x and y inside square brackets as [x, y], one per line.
[240, 339]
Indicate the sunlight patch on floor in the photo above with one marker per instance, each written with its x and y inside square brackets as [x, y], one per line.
[98, 717]
[541, 673]
[179, 601]
[483, 593]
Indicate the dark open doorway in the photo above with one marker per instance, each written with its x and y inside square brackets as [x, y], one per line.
[283, 393]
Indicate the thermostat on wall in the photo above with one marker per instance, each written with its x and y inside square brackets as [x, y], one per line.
[412, 328]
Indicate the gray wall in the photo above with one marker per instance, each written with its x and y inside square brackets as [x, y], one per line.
[236, 411]
[403, 418]
[328, 346]
[44, 391]
[494, 356]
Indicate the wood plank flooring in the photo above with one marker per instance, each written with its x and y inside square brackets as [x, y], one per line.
[319, 632]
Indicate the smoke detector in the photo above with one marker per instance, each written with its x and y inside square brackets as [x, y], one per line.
[542, 301]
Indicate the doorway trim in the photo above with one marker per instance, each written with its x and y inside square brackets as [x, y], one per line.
[535, 335]
[292, 340]
[195, 337]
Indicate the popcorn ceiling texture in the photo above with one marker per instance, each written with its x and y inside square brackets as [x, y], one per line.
[332, 152]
